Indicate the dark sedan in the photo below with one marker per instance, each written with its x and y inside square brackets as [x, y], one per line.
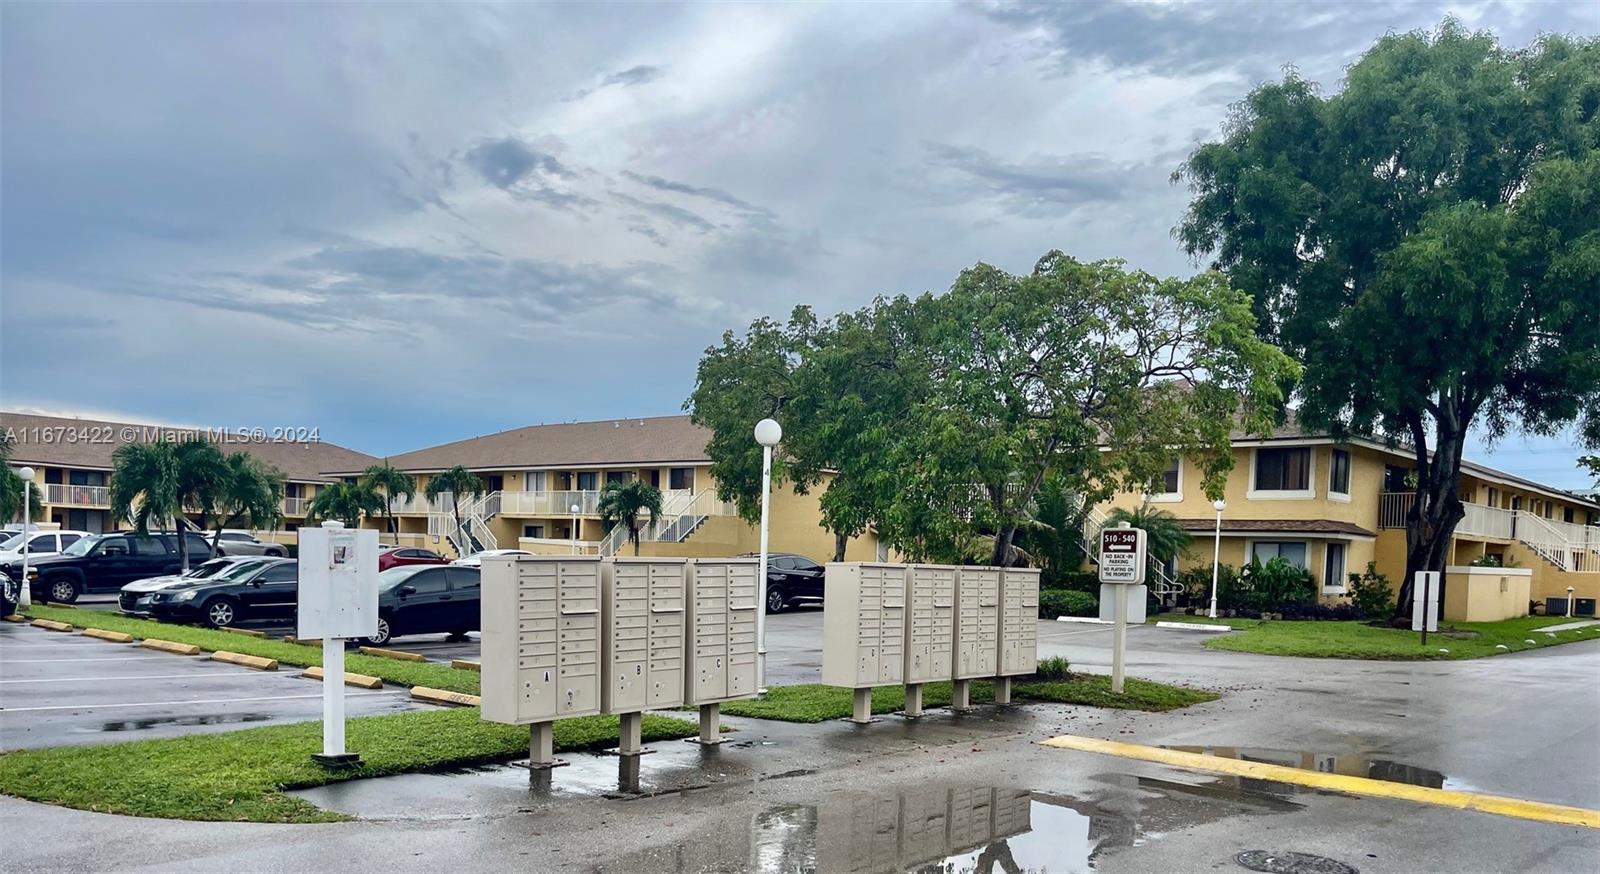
[269, 591]
[424, 599]
[791, 580]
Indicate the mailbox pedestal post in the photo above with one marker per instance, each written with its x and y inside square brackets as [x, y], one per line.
[1002, 690]
[710, 725]
[913, 707]
[960, 695]
[861, 706]
[630, 734]
[542, 747]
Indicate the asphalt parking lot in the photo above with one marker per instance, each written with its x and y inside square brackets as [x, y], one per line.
[68, 689]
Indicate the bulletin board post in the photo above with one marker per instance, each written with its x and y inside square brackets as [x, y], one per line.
[338, 600]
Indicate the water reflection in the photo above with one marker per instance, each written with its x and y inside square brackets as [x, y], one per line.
[1349, 764]
[211, 719]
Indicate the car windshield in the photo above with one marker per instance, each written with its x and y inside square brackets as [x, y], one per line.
[210, 568]
[14, 542]
[239, 570]
[83, 545]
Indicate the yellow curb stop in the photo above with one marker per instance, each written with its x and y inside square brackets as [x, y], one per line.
[52, 625]
[442, 696]
[464, 665]
[169, 646]
[244, 631]
[113, 636]
[392, 654]
[247, 661]
[360, 681]
[15, 617]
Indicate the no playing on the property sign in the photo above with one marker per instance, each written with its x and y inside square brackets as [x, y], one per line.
[1122, 556]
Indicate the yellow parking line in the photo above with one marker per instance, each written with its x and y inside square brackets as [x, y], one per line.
[1520, 808]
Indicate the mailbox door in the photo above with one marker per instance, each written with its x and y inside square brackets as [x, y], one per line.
[710, 633]
[630, 628]
[578, 682]
[666, 636]
[942, 644]
[537, 632]
[741, 629]
[892, 627]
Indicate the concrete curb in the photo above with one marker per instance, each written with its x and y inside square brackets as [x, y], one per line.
[113, 636]
[1087, 620]
[1194, 626]
[464, 665]
[51, 625]
[392, 654]
[15, 617]
[245, 661]
[360, 681]
[244, 631]
[169, 646]
[293, 639]
[441, 696]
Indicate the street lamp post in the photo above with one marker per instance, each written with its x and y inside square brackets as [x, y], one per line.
[1216, 556]
[574, 508]
[768, 433]
[24, 592]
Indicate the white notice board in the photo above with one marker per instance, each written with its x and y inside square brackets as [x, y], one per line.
[1122, 556]
[338, 583]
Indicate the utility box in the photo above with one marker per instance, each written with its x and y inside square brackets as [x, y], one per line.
[931, 628]
[864, 625]
[541, 638]
[977, 623]
[642, 646]
[1019, 621]
[721, 629]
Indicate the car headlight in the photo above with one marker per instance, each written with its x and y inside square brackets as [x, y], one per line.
[184, 596]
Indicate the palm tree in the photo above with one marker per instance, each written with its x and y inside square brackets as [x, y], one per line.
[345, 502]
[1165, 537]
[147, 485]
[393, 484]
[456, 481]
[251, 492]
[621, 503]
[11, 488]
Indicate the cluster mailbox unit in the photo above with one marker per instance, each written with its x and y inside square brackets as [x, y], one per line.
[888, 624]
[641, 654]
[722, 637]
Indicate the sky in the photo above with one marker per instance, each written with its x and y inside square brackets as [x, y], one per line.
[407, 224]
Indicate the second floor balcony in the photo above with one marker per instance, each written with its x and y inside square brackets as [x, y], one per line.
[77, 496]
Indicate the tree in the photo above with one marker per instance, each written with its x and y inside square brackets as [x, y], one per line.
[1426, 241]
[1591, 463]
[392, 484]
[622, 504]
[250, 493]
[1165, 538]
[1054, 535]
[148, 485]
[11, 487]
[344, 502]
[455, 482]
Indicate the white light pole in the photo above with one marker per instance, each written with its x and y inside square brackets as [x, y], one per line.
[24, 593]
[1216, 556]
[768, 433]
[574, 508]
[1569, 599]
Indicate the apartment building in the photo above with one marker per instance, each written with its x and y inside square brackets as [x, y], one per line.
[1331, 506]
[72, 462]
[542, 486]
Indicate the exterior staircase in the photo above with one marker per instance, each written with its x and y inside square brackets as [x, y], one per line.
[473, 536]
[1161, 584]
[681, 517]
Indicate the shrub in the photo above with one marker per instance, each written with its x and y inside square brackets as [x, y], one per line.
[1276, 585]
[1061, 602]
[1370, 593]
[1196, 583]
[1316, 610]
[1053, 668]
[1076, 581]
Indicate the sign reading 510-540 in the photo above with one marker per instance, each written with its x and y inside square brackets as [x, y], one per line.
[1122, 557]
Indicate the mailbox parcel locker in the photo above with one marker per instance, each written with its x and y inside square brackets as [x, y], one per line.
[864, 625]
[977, 631]
[721, 624]
[642, 645]
[541, 638]
[1019, 621]
[931, 628]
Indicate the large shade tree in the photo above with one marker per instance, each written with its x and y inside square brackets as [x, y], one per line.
[1426, 240]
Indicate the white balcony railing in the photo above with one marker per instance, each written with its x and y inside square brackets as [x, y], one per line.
[1569, 546]
[1479, 521]
[77, 496]
[295, 506]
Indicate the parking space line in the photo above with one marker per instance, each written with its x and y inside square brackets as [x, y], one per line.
[95, 659]
[199, 701]
[1520, 808]
[206, 675]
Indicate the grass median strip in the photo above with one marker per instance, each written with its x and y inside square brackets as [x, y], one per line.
[1358, 640]
[242, 775]
[400, 673]
[814, 702]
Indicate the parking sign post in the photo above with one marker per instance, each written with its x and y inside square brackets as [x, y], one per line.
[1122, 563]
[338, 571]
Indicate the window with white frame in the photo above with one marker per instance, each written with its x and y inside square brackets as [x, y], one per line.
[535, 481]
[1171, 482]
[1291, 551]
[1281, 472]
[1339, 473]
[1333, 567]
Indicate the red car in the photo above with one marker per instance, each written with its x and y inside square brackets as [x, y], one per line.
[389, 558]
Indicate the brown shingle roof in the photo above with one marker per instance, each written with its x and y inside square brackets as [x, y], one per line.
[89, 443]
[1277, 526]
[659, 440]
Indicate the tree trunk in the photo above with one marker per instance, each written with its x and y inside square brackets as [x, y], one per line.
[1436, 508]
[633, 534]
[1002, 545]
[840, 541]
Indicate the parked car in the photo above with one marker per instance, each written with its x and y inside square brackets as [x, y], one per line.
[476, 559]
[407, 555]
[40, 543]
[419, 599]
[791, 579]
[134, 597]
[106, 563]
[236, 541]
[267, 590]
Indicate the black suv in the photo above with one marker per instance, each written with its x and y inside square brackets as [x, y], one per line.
[791, 579]
[106, 563]
[270, 591]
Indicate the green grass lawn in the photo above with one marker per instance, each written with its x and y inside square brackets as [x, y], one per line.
[1357, 640]
[241, 775]
[400, 673]
[814, 702]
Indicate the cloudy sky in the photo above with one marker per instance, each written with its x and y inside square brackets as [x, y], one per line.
[407, 224]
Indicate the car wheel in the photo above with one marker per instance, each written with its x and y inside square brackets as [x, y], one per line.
[62, 590]
[457, 636]
[278, 553]
[10, 595]
[221, 612]
[384, 634]
[775, 599]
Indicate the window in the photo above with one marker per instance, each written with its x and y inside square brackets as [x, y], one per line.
[462, 578]
[618, 476]
[1516, 502]
[69, 539]
[1283, 470]
[428, 553]
[1567, 515]
[148, 546]
[280, 573]
[535, 481]
[1170, 478]
[1547, 509]
[429, 582]
[1339, 472]
[1293, 552]
[1494, 497]
[494, 482]
[781, 562]
[237, 536]
[1333, 567]
[588, 481]
[533, 531]
[42, 543]
[681, 478]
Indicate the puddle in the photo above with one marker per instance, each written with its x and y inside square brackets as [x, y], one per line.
[1349, 764]
[954, 829]
[214, 719]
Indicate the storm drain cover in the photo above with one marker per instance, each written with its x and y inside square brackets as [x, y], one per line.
[1292, 863]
